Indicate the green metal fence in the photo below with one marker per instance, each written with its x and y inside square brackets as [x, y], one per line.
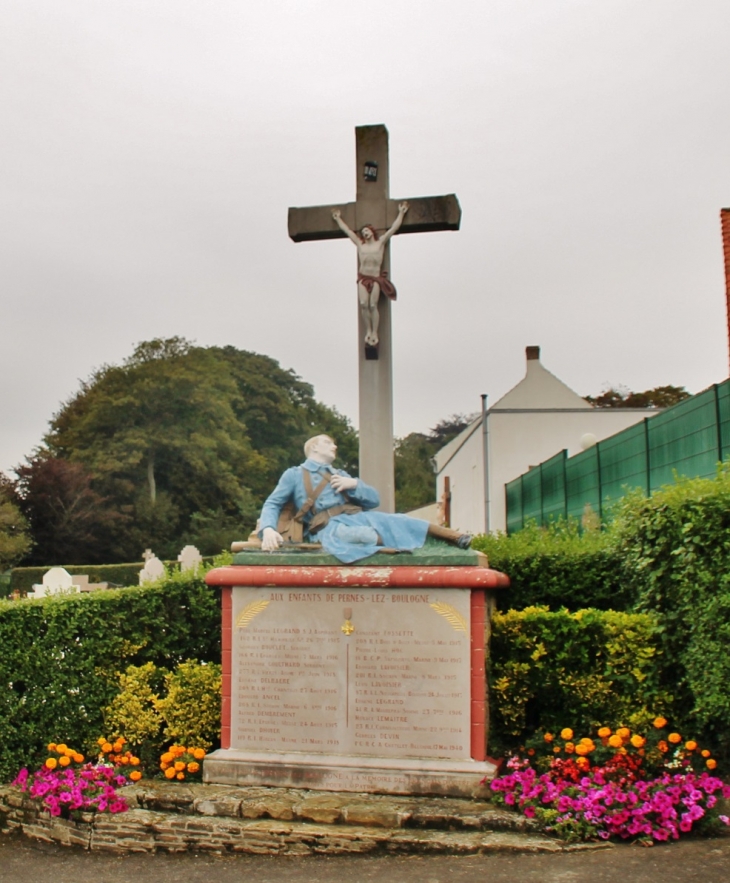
[687, 439]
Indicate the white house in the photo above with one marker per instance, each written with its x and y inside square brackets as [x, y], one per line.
[536, 419]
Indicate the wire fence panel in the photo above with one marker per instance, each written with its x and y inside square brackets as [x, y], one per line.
[582, 484]
[688, 439]
[553, 487]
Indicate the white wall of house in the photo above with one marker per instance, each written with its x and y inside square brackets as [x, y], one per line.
[537, 419]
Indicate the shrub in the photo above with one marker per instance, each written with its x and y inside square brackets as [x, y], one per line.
[550, 669]
[192, 707]
[558, 566]
[117, 575]
[61, 656]
[677, 546]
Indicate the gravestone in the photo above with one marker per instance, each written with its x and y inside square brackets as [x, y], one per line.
[56, 581]
[189, 558]
[153, 569]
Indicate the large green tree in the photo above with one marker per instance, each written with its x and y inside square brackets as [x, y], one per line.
[620, 397]
[184, 442]
[15, 541]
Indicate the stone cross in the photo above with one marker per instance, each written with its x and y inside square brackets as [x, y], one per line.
[374, 206]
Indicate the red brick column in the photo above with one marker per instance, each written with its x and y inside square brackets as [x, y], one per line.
[725, 227]
[478, 677]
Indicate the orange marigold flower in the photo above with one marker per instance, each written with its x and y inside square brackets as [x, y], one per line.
[134, 760]
[106, 748]
[51, 746]
[164, 766]
[179, 765]
[124, 760]
[65, 760]
[167, 757]
[589, 743]
[180, 776]
[101, 740]
[79, 758]
[615, 741]
[556, 750]
[548, 737]
[711, 763]
[61, 747]
[583, 762]
[199, 753]
[530, 751]
[581, 749]
[660, 722]
[569, 747]
[51, 763]
[566, 734]
[624, 732]
[170, 773]
[662, 746]
[604, 732]
[690, 745]
[705, 752]
[638, 741]
[193, 767]
[135, 775]
[622, 750]
[674, 738]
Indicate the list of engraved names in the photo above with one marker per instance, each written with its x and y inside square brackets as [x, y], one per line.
[352, 672]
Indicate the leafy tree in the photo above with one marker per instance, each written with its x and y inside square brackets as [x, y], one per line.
[70, 522]
[620, 397]
[185, 441]
[415, 482]
[15, 541]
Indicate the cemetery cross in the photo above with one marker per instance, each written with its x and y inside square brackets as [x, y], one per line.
[373, 207]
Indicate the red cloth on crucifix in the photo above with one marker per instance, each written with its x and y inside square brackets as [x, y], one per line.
[386, 286]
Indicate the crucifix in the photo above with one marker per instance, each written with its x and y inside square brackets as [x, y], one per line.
[377, 217]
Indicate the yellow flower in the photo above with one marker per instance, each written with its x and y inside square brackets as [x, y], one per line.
[199, 753]
[101, 740]
[604, 732]
[589, 744]
[51, 763]
[691, 745]
[135, 775]
[638, 741]
[711, 763]
[193, 767]
[674, 738]
[622, 750]
[566, 734]
[660, 722]
[705, 752]
[65, 760]
[548, 737]
[52, 746]
[61, 747]
[624, 732]
[615, 741]
[170, 773]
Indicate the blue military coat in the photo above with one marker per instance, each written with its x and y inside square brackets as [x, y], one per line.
[348, 537]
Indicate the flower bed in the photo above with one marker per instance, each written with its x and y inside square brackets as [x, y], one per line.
[622, 784]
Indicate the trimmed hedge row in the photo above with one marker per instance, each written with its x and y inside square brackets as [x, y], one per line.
[559, 567]
[60, 657]
[24, 578]
[550, 670]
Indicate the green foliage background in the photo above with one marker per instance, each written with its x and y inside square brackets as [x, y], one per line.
[61, 657]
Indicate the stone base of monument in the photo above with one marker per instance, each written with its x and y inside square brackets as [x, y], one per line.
[367, 678]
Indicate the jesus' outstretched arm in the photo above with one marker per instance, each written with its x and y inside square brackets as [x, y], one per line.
[345, 229]
[402, 209]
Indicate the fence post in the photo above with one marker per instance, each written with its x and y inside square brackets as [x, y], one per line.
[648, 457]
[600, 482]
[718, 421]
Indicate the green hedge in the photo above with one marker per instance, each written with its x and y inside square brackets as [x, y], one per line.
[550, 670]
[60, 657]
[559, 566]
[24, 578]
[676, 545]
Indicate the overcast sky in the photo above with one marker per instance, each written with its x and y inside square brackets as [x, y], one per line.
[150, 149]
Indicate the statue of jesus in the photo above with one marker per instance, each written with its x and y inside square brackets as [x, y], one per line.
[371, 279]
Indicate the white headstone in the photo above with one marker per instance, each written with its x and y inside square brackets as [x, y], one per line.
[55, 581]
[153, 570]
[190, 558]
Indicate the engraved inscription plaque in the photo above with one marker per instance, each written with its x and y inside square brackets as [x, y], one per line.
[352, 672]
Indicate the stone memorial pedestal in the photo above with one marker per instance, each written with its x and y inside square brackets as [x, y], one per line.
[366, 678]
